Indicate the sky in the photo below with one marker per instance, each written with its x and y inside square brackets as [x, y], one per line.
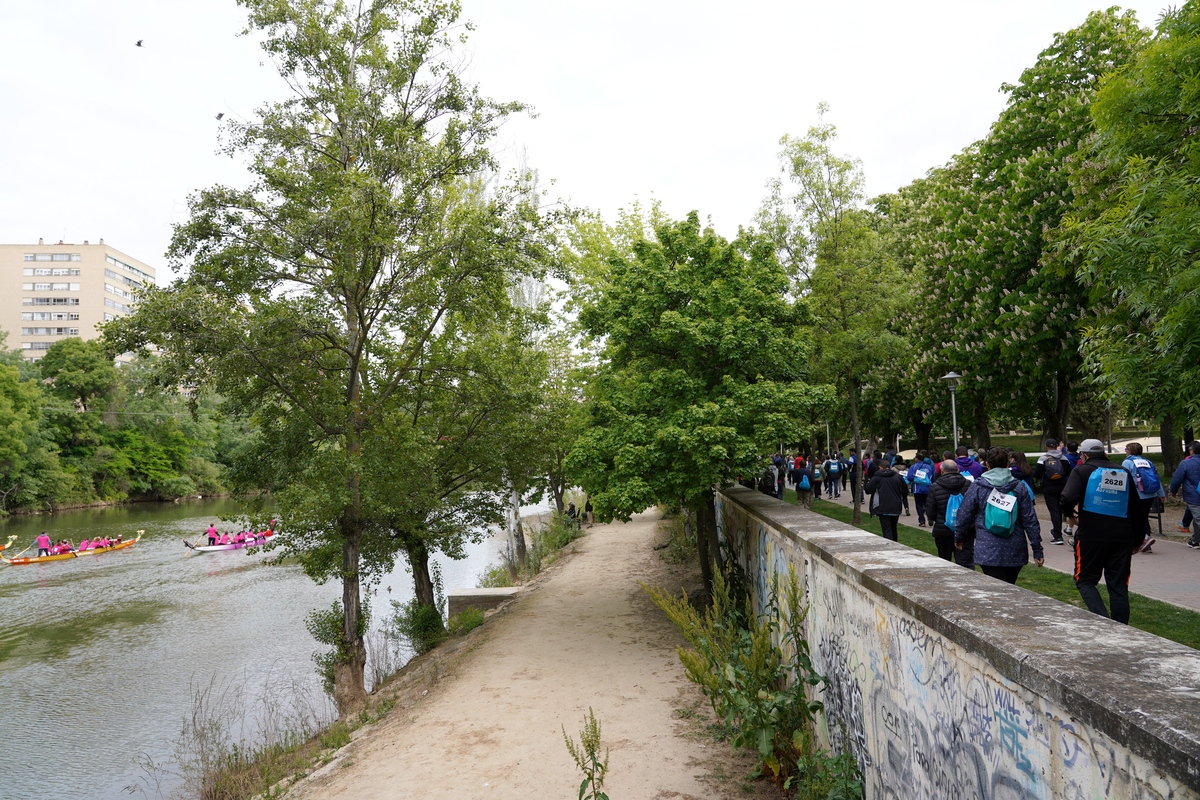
[680, 102]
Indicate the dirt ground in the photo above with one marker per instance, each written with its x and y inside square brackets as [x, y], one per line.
[489, 722]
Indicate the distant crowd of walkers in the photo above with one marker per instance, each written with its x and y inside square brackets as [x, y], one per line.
[980, 505]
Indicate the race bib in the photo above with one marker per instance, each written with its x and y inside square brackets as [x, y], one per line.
[1107, 492]
[1002, 502]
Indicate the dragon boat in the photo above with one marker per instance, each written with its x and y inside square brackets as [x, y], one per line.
[94, 551]
[8, 544]
[258, 539]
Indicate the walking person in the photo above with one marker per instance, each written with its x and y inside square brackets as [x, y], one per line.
[817, 470]
[853, 471]
[805, 484]
[968, 467]
[1051, 471]
[1187, 478]
[944, 498]
[833, 476]
[921, 476]
[1100, 501]
[887, 491]
[1149, 489]
[997, 511]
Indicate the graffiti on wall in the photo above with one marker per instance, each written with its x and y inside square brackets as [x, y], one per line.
[923, 717]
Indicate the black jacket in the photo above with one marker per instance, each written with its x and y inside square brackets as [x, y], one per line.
[1101, 527]
[948, 483]
[887, 490]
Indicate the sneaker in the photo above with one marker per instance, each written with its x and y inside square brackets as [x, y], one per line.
[1147, 550]
[1193, 545]
[1057, 541]
[1182, 529]
[1146, 545]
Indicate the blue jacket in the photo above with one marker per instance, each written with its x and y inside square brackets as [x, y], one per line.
[991, 550]
[1188, 476]
[967, 464]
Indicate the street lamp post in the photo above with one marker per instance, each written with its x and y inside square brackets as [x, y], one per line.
[952, 378]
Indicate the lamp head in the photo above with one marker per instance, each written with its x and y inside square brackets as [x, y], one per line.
[951, 378]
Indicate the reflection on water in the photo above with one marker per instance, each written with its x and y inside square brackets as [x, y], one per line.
[97, 655]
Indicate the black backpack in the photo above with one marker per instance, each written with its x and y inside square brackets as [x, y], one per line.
[1055, 471]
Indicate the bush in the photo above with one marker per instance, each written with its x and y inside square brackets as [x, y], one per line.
[758, 688]
[466, 621]
[497, 576]
[678, 548]
[419, 626]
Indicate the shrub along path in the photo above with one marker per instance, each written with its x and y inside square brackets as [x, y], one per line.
[585, 635]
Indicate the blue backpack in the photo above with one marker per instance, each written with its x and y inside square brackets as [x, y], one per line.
[1107, 492]
[834, 468]
[804, 485]
[1145, 476]
[952, 504]
[923, 476]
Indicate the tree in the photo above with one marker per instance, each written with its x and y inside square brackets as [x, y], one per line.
[701, 372]
[1000, 306]
[1134, 231]
[849, 281]
[315, 295]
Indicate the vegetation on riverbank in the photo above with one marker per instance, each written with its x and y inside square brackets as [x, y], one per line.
[76, 431]
[548, 537]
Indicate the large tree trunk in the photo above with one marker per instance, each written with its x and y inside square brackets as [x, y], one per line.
[924, 430]
[855, 483]
[983, 432]
[513, 529]
[349, 686]
[418, 561]
[1169, 441]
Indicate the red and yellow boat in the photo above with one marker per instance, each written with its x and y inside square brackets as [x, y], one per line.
[8, 544]
[95, 551]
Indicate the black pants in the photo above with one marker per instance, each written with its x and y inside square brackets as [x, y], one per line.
[854, 490]
[888, 523]
[945, 546]
[1112, 559]
[1053, 505]
[1006, 574]
[920, 499]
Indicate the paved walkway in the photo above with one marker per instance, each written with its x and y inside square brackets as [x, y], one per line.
[1169, 573]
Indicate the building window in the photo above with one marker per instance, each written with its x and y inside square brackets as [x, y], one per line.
[49, 331]
[109, 317]
[52, 257]
[36, 345]
[49, 301]
[116, 262]
[65, 271]
[108, 287]
[110, 303]
[49, 316]
[122, 278]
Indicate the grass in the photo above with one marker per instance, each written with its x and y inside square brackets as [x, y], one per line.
[1153, 616]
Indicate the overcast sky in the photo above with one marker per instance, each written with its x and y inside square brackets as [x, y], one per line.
[680, 101]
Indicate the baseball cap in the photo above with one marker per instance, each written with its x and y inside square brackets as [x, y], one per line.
[1092, 447]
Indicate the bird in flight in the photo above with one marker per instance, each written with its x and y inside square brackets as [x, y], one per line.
[220, 115]
[139, 42]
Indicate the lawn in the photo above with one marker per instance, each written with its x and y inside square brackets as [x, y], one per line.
[1153, 616]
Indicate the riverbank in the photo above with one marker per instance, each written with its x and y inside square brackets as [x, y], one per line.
[488, 719]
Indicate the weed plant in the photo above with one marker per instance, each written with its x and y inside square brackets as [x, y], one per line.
[546, 542]
[757, 673]
[677, 548]
[465, 621]
[587, 757]
[417, 626]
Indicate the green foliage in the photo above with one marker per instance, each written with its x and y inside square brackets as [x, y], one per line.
[496, 576]
[678, 548]
[325, 625]
[465, 621]
[417, 625]
[756, 671]
[586, 756]
[703, 367]
[335, 736]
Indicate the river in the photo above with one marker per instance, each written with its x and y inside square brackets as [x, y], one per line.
[98, 656]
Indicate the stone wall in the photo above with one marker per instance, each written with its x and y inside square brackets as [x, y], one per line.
[947, 684]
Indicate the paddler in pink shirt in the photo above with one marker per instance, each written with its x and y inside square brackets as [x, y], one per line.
[212, 534]
[225, 538]
[43, 544]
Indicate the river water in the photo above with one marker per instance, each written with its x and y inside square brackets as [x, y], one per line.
[99, 655]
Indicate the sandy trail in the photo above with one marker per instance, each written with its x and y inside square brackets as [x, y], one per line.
[586, 636]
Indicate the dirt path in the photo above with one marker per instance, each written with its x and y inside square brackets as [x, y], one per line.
[585, 636]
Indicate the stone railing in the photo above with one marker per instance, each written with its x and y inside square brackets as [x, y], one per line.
[945, 683]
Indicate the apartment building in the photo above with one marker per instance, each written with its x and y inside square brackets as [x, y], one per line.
[49, 292]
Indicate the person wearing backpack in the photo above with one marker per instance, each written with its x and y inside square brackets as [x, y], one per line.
[818, 475]
[1051, 471]
[997, 511]
[920, 477]
[805, 482]
[1149, 488]
[888, 493]
[1100, 499]
[941, 505]
[833, 476]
